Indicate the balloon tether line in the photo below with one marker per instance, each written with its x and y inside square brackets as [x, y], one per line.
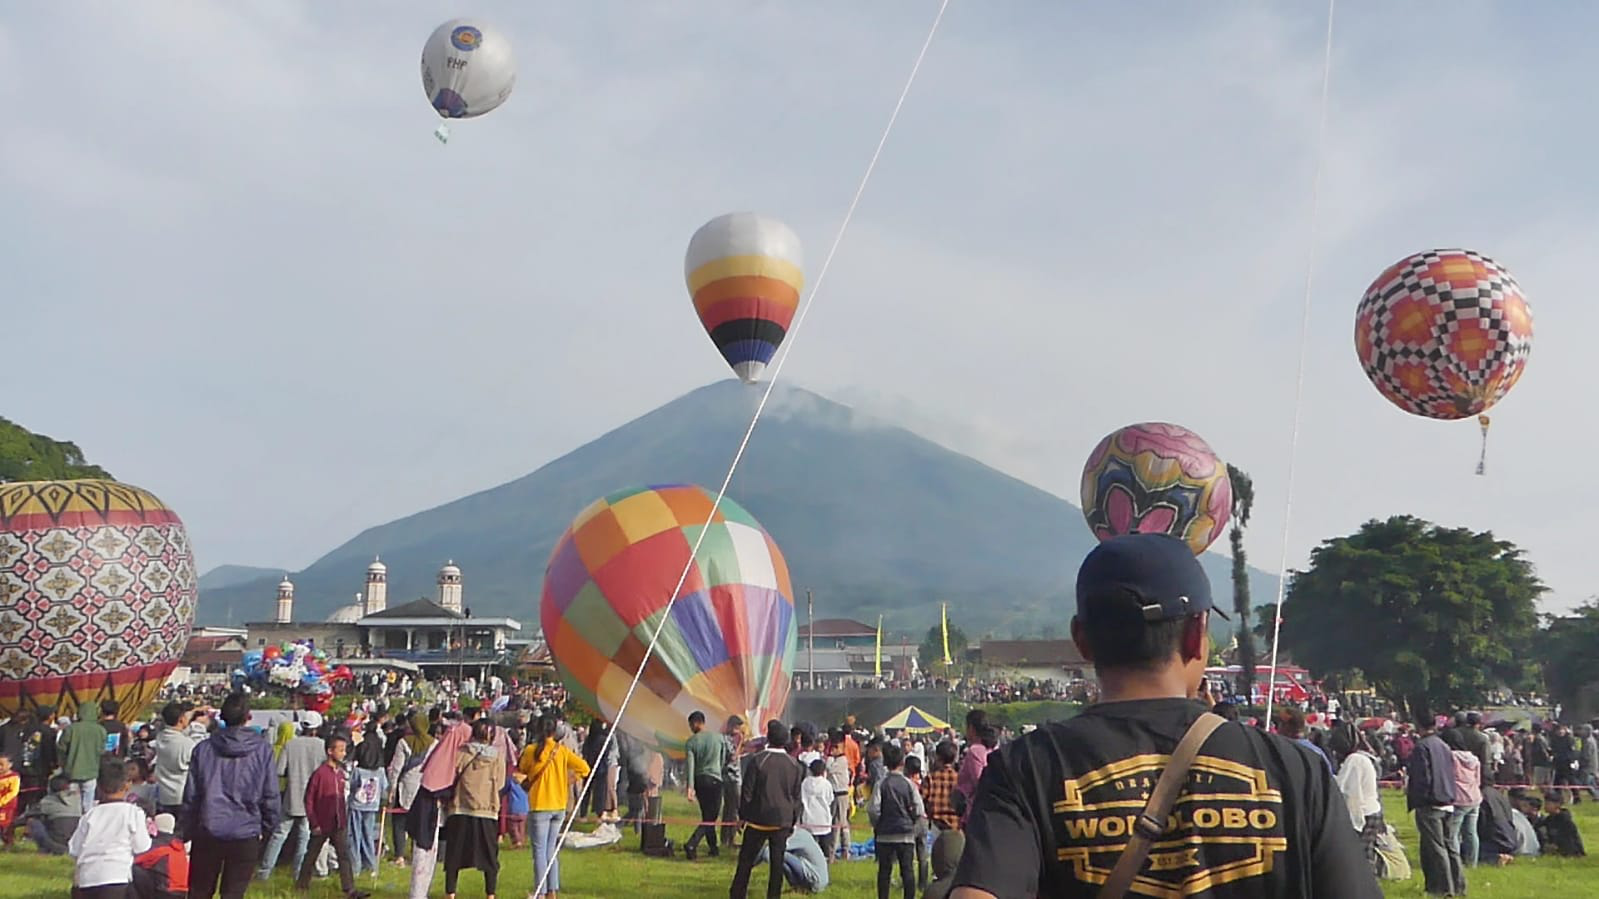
[738, 455]
[1304, 342]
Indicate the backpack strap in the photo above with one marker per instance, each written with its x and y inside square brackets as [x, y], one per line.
[1149, 826]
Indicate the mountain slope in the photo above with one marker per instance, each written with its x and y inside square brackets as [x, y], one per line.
[871, 517]
[233, 575]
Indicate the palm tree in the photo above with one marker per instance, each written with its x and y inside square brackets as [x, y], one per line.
[1243, 501]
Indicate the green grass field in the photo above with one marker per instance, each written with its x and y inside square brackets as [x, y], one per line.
[620, 871]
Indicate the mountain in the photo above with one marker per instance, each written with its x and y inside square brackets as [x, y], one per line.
[872, 519]
[233, 575]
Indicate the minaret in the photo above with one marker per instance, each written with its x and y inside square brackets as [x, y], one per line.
[285, 601]
[450, 587]
[377, 587]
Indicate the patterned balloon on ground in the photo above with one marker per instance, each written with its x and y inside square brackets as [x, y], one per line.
[467, 70]
[728, 647]
[1444, 334]
[745, 272]
[97, 595]
[1156, 478]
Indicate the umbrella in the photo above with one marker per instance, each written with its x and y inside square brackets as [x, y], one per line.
[914, 720]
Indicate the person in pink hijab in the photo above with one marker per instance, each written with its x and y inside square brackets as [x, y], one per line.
[426, 813]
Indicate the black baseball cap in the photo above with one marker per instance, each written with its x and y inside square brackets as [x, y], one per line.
[1153, 577]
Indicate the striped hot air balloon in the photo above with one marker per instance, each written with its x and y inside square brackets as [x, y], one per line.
[745, 272]
[728, 646]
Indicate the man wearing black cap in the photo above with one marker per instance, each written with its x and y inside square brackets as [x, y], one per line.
[1256, 816]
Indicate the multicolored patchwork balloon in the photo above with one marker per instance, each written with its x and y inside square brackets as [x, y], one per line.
[1156, 478]
[97, 595]
[728, 647]
[1444, 334]
[467, 70]
[745, 272]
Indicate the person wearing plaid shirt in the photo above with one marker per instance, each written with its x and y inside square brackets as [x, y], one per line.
[938, 788]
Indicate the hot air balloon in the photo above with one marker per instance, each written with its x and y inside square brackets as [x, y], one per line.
[467, 70]
[97, 595]
[728, 645]
[1444, 334]
[745, 272]
[1156, 478]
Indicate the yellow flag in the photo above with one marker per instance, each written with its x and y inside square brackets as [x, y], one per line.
[877, 660]
[944, 617]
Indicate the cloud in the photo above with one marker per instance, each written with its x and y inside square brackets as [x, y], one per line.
[254, 283]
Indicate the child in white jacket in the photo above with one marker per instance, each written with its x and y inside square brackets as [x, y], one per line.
[108, 837]
[816, 806]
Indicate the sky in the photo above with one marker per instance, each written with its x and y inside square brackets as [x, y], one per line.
[243, 274]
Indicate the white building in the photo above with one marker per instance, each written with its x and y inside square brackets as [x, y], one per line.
[436, 635]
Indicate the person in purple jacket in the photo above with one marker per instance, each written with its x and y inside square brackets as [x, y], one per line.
[230, 800]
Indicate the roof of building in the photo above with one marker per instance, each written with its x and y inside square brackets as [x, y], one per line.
[828, 661]
[536, 655]
[417, 608]
[1031, 652]
[214, 643]
[838, 627]
[221, 650]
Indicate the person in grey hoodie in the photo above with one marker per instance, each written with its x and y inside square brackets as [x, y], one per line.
[300, 758]
[173, 750]
[947, 851]
[229, 802]
[53, 820]
[1588, 759]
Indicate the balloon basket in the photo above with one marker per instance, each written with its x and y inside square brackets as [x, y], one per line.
[442, 133]
[1482, 458]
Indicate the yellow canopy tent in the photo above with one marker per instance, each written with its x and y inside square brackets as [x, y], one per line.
[914, 720]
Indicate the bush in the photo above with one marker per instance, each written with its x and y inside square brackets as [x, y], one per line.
[1015, 714]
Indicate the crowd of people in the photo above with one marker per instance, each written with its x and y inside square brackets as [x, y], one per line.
[1479, 794]
[208, 797]
[787, 798]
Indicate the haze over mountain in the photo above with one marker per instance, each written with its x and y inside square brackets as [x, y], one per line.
[231, 575]
[871, 517]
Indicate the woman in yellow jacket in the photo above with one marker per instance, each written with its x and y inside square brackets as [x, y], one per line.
[547, 767]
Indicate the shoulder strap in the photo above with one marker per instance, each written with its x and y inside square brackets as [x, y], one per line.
[1152, 822]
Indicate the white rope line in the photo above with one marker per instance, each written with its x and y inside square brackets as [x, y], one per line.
[1304, 342]
[738, 455]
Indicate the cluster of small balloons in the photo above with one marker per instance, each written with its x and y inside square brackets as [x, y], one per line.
[295, 667]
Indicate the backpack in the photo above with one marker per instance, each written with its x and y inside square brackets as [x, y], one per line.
[515, 798]
[1394, 864]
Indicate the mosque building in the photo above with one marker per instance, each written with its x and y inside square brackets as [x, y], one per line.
[438, 635]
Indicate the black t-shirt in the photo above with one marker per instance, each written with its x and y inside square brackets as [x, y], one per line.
[116, 738]
[1259, 817]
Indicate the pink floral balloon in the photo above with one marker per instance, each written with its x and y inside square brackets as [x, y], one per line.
[1156, 478]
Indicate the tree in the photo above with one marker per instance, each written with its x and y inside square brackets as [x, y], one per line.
[1264, 623]
[26, 456]
[1570, 653]
[1431, 616]
[931, 652]
[1243, 502]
